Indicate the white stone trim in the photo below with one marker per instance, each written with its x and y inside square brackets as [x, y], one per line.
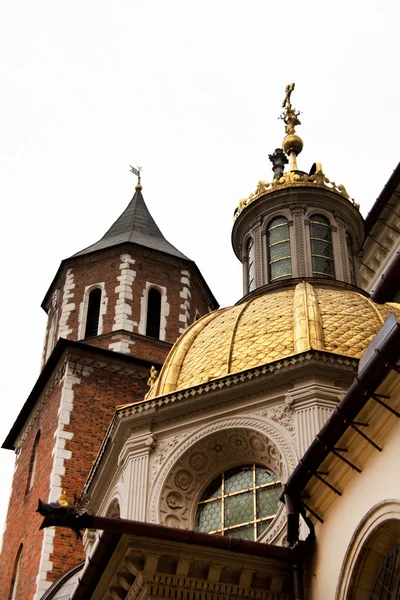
[83, 308]
[380, 514]
[66, 306]
[185, 294]
[122, 344]
[164, 309]
[60, 455]
[123, 309]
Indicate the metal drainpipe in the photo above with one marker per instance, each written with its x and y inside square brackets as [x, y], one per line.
[298, 587]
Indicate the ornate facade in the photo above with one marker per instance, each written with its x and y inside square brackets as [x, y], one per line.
[198, 485]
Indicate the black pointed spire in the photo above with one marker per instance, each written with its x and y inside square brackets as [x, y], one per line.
[136, 226]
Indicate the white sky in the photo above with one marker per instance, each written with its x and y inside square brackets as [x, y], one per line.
[191, 91]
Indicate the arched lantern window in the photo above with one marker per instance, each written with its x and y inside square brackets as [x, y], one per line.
[33, 463]
[93, 313]
[16, 575]
[350, 255]
[239, 503]
[251, 281]
[321, 247]
[279, 257]
[153, 313]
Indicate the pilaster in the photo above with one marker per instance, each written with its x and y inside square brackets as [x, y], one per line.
[298, 247]
[258, 253]
[313, 405]
[134, 459]
[342, 268]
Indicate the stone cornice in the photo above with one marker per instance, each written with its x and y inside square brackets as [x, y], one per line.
[207, 389]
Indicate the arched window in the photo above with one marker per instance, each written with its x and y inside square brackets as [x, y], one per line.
[387, 582]
[32, 464]
[279, 259]
[350, 255]
[321, 247]
[153, 313]
[16, 575]
[251, 282]
[93, 313]
[240, 503]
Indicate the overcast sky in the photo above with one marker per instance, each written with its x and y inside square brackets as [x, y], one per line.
[191, 91]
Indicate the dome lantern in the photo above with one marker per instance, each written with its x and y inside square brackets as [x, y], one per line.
[299, 224]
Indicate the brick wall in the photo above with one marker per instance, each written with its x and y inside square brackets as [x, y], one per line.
[69, 441]
[125, 274]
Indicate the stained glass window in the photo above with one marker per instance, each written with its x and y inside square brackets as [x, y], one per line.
[239, 503]
[251, 282]
[279, 258]
[350, 254]
[321, 247]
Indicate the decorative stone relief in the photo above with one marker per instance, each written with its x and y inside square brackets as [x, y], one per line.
[201, 453]
[284, 415]
[164, 448]
[206, 453]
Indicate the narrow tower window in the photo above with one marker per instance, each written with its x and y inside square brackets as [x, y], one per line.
[16, 574]
[321, 247]
[350, 254]
[32, 464]
[153, 313]
[93, 313]
[279, 259]
[251, 282]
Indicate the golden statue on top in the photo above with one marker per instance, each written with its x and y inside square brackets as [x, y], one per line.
[290, 115]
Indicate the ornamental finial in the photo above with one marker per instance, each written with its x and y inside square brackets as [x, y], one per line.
[292, 144]
[137, 171]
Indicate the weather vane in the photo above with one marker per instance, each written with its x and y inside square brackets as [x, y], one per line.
[136, 171]
[290, 115]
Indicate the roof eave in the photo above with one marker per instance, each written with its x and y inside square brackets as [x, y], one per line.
[48, 369]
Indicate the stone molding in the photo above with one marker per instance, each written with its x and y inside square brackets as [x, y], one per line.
[194, 461]
[376, 517]
[237, 378]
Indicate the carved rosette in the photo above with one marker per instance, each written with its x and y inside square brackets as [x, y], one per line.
[196, 462]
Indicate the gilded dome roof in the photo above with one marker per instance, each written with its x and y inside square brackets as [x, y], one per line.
[271, 327]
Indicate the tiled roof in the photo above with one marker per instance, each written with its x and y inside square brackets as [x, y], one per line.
[137, 226]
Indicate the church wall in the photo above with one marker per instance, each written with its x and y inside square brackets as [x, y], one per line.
[73, 414]
[95, 397]
[22, 524]
[337, 542]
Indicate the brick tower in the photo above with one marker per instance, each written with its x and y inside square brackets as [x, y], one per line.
[114, 310]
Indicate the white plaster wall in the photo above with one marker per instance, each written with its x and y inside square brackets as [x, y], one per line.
[378, 481]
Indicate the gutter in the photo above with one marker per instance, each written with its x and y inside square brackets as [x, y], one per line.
[383, 197]
[389, 284]
[378, 360]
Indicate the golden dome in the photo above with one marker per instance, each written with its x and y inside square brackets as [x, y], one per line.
[271, 327]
